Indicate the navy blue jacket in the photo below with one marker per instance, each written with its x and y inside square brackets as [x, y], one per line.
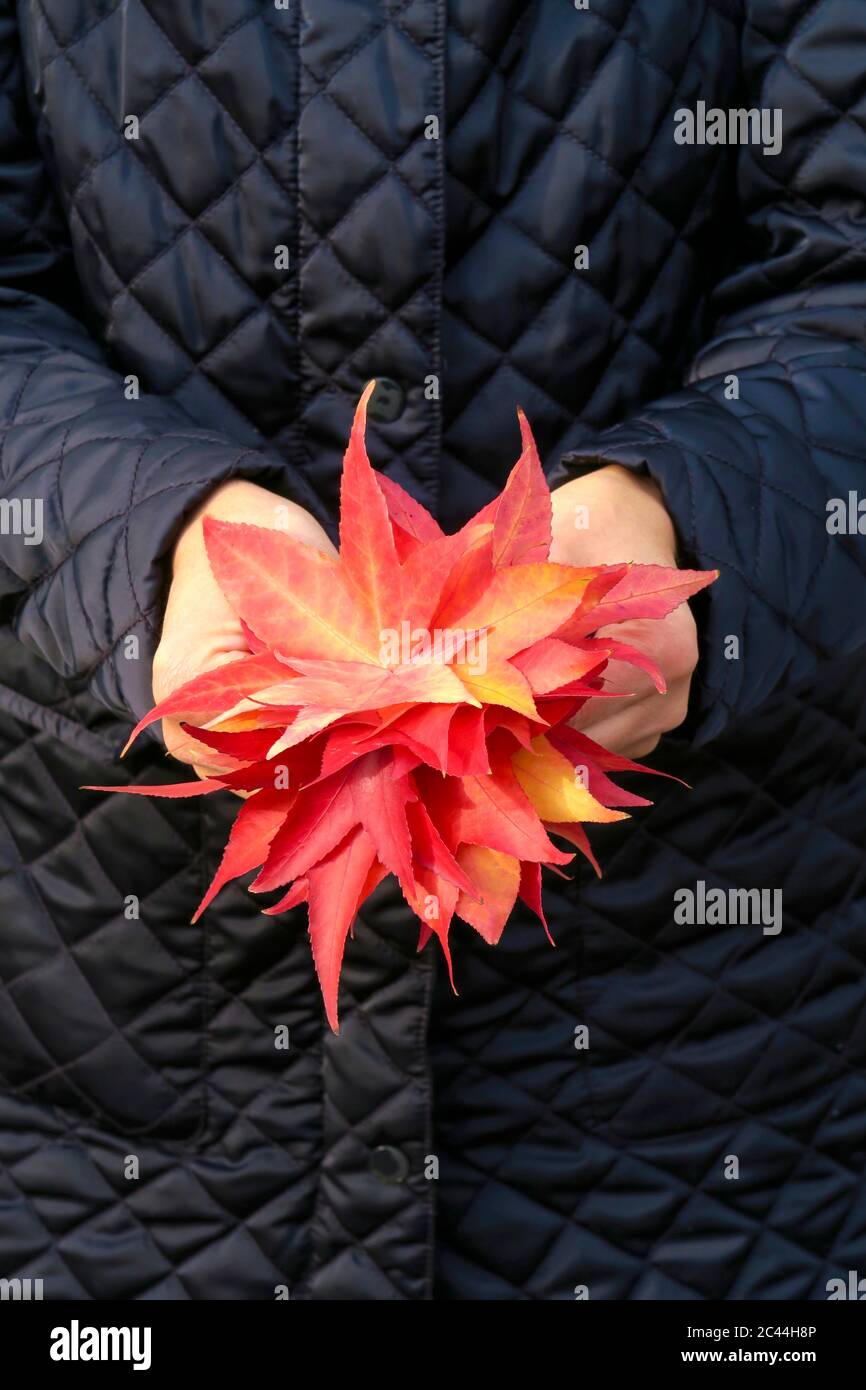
[216, 224]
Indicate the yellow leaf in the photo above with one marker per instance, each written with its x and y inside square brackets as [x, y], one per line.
[548, 779]
[497, 879]
[500, 684]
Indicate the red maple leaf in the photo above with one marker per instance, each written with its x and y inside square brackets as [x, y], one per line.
[404, 708]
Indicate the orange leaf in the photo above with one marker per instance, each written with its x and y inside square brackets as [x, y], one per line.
[350, 685]
[524, 603]
[293, 597]
[522, 526]
[645, 591]
[216, 691]
[335, 888]
[367, 549]
[499, 684]
[550, 663]
[258, 821]
[497, 879]
[413, 525]
[548, 779]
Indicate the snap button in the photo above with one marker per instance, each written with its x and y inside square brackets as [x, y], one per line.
[387, 401]
[389, 1164]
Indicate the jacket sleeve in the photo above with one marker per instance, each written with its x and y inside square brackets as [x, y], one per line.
[93, 486]
[757, 456]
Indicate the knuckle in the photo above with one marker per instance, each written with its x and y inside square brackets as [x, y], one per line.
[676, 710]
[645, 746]
[161, 671]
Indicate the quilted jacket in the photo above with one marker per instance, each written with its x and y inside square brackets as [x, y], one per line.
[217, 222]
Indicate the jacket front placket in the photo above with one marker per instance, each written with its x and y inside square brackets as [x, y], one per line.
[373, 1222]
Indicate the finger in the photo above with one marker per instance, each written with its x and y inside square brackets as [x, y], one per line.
[205, 773]
[597, 711]
[642, 748]
[173, 668]
[621, 736]
[621, 678]
[183, 747]
[626, 724]
[178, 743]
[625, 685]
[635, 730]
[625, 713]
[626, 741]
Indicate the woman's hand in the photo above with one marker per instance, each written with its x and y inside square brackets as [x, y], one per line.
[625, 520]
[200, 629]
[610, 516]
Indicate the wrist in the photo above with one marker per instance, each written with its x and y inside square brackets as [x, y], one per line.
[240, 499]
[220, 502]
[612, 501]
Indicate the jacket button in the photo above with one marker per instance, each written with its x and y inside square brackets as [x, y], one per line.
[389, 1164]
[387, 401]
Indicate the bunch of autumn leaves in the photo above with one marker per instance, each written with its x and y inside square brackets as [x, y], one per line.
[358, 759]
